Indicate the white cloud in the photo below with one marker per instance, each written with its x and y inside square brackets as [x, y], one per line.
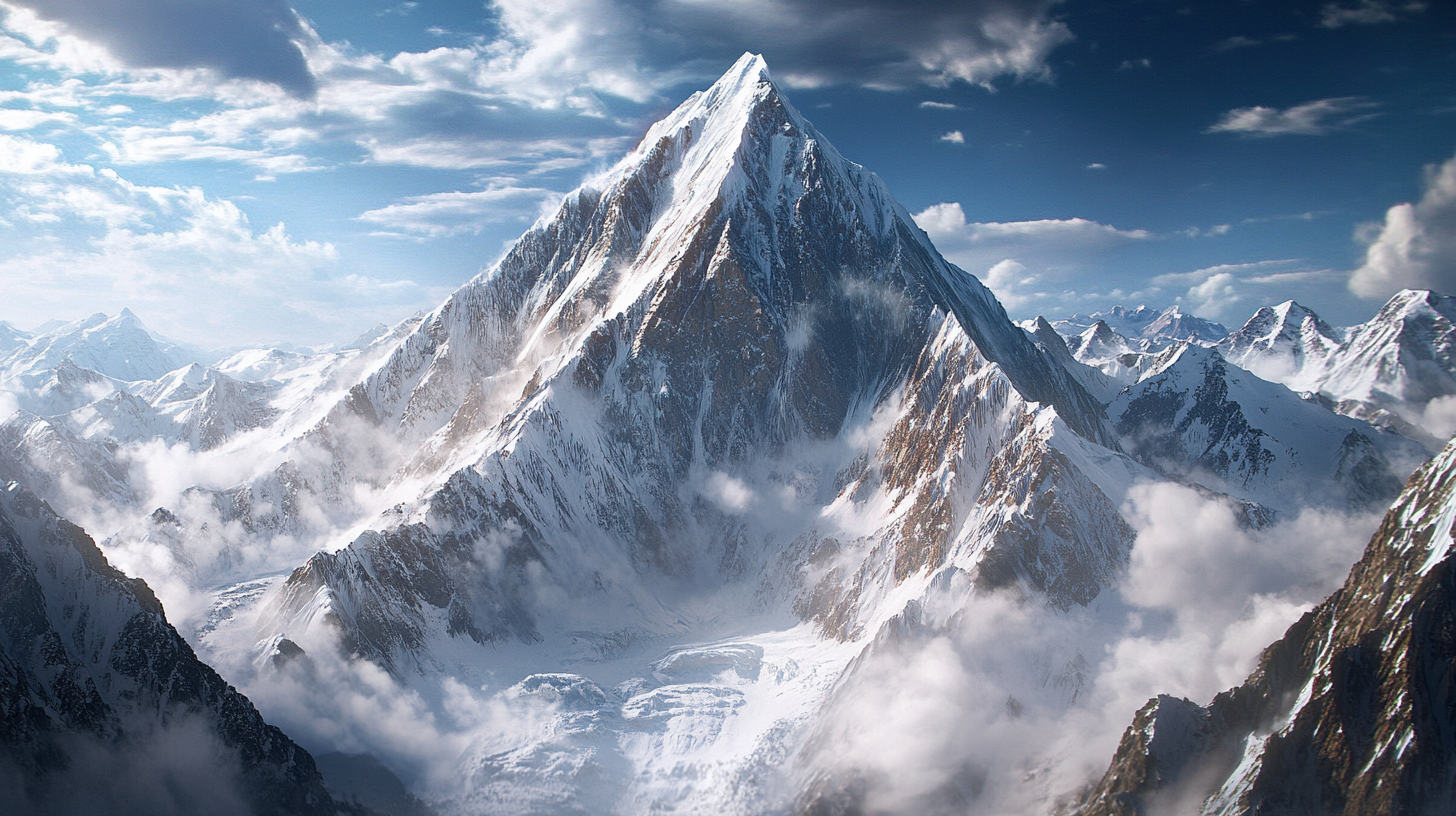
[1228, 291]
[441, 214]
[946, 224]
[1310, 119]
[1096, 166]
[938, 105]
[1416, 246]
[1022, 705]
[1128, 65]
[1235, 42]
[954, 137]
[1048, 254]
[168, 249]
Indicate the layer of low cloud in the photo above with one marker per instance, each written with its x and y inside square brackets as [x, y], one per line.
[1415, 248]
[1309, 119]
[1014, 706]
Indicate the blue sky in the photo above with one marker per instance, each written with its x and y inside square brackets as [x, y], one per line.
[254, 171]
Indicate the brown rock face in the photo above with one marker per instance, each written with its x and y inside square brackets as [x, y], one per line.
[1352, 712]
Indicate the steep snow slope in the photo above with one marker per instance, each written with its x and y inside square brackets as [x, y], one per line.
[736, 299]
[1402, 358]
[104, 708]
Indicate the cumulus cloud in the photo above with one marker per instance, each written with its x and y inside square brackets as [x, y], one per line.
[1416, 246]
[441, 214]
[1310, 119]
[541, 93]
[807, 42]
[240, 39]
[954, 137]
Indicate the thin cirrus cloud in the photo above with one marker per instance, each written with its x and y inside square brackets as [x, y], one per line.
[1309, 119]
[239, 39]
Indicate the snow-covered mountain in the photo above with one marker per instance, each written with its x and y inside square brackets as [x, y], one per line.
[637, 518]
[118, 347]
[1212, 423]
[105, 708]
[1393, 369]
[1286, 343]
[1151, 329]
[1350, 712]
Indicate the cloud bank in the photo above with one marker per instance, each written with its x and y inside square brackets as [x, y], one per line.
[1416, 246]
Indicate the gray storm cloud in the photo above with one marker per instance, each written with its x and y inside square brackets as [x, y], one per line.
[240, 39]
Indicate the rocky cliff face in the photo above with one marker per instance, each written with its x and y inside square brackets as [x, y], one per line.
[1350, 713]
[103, 706]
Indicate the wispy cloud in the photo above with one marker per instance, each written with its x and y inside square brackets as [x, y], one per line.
[1227, 291]
[1310, 119]
[166, 249]
[938, 105]
[954, 137]
[1024, 262]
[1366, 12]
[441, 214]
